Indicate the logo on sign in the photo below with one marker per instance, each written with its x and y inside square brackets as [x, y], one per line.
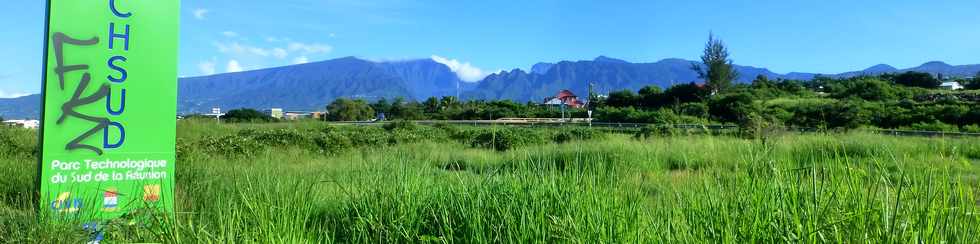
[151, 193]
[110, 200]
[65, 203]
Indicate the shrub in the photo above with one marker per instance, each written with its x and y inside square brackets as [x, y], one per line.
[332, 142]
[971, 128]
[699, 110]
[362, 136]
[576, 134]
[400, 124]
[835, 115]
[917, 79]
[246, 115]
[231, 146]
[871, 89]
[18, 143]
[506, 139]
[278, 137]
[934, 126]
[651, 131]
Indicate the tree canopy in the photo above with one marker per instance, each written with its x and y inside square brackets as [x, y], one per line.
[716, 68]
[344, 109]
[246, 115]
[917, 79]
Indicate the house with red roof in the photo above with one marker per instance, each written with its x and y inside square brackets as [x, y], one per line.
[565, 97]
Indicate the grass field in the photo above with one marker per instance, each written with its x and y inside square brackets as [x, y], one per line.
[310, 182]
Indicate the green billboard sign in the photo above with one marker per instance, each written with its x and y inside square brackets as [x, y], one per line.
[109, 108]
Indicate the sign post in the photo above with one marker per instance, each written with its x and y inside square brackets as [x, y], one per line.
[108, 123]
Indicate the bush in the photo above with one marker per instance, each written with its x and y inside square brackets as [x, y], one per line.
[362, 136]
[18, 143]
[506, 139]
[400, 124]
[760, 127]
[971, 128]
[246, 115]
[651, 131]
[934, 126]
[332, 142]
[835, 115]
[231, 146]
[871, 89]
[576, 134]
[917, 79]
[278, 137]
[699, 110]
[732, 107]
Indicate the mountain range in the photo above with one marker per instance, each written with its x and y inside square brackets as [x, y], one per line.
[311, 86]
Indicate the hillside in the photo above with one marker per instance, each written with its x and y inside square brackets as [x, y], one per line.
[26, 107]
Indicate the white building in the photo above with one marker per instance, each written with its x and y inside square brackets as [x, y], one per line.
[30, 124]
[952, 85]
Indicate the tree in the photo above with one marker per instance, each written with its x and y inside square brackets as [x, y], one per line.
[716, 68]
[624, 98]
[450, 102]
[867, 88]
[917, 79]
[381, 106]
[973, 84]
[651, 97]
[246, 115]
[761, 81]
[431, 105]
[685, 93]
[344, 109]
[734, 107]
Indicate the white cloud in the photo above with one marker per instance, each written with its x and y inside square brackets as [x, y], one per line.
[234, 66]
[313, 48]
[5, 94]
[230, 34]
[464, 70]
[273, 51]
[201, 13]
[207, 67]
[277, 39]
[279, 53]
[240, 49]
[301, 60]
[298, 48]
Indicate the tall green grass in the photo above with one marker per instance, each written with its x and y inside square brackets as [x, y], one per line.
[431, 184]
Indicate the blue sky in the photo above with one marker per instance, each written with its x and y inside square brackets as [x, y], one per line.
[481, 37]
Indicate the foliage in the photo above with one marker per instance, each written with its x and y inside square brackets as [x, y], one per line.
[246, 115]
[917, 79]
[344, 109]
[576, 134]
[865, 88]
[973, 84]
[624, 98]
[401, 125]
[717, 70]
[975, 128]
[934, 126]
[699, 110]
[732, 107]
[504, 139]
[831, 115]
